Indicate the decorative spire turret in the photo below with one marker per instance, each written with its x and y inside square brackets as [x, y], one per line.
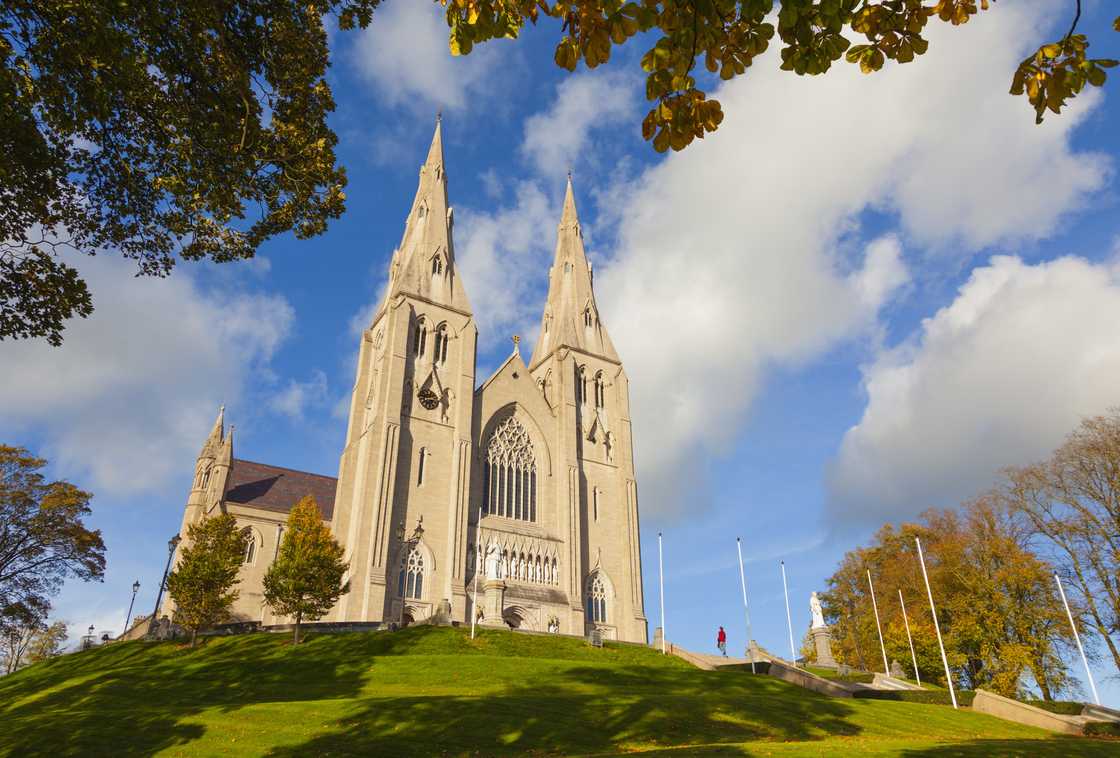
[571, 318]
[214, 441]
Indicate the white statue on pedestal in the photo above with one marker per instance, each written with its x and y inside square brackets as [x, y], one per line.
[493, 561]
[815, 609]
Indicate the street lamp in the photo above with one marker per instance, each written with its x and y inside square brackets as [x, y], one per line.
[171, 545]
[135, 589]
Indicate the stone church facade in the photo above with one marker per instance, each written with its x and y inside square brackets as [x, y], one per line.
[533, 468]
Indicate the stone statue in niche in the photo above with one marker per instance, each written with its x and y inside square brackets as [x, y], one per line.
[493, 561]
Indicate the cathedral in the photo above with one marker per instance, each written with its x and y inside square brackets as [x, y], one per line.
[526, 479]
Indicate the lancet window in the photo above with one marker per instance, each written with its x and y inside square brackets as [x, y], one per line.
[410, 581]
[440, 345]
[581, 385]
[510, 473]
[420, 338]
[437, 266]
[250, 545]
[597, 599]
[600, 391]
[588, 318]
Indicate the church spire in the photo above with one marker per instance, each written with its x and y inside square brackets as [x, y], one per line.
[424, 262]
[571, 317]
[214, 441]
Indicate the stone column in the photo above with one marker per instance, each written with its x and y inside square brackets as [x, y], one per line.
[822, 639]
[493, 603]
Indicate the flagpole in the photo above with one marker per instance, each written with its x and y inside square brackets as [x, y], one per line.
[746, 608]
[914, 658]
[1077, 638]
[875, 607]
[661, 589]
[936, 626]
[789, 622]
[477, 566]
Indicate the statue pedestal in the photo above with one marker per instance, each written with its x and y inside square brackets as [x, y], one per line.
[822, 640]
[493, 604]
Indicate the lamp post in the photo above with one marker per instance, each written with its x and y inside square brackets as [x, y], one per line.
[135, 589]
[171, 545]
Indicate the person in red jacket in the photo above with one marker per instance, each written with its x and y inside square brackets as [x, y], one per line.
[721, 641]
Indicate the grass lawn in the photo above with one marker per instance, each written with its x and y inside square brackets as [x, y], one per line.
[431, 691]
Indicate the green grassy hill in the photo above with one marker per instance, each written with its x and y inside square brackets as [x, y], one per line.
[432, 691]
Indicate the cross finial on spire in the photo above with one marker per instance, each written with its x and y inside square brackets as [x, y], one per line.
[516, 340]
[439, 116]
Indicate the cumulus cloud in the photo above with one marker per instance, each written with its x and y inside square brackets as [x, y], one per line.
[557, 138]
[731, 256]
[503, 257]
[404, 54]
[996, 378]
[131, 393]
[296, 396]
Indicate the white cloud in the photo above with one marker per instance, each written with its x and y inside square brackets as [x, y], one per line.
[129, 396]
[503, 258]
[996, 378]
[730, 259]
[558, 138]
[404, 53]
[296, 396]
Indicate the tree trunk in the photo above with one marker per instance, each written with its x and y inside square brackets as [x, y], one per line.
[1041, 681]
[295, 639]
[194, 635]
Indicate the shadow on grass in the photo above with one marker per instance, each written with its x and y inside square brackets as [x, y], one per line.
[131, 698]
[584, 710]
[1057, 747]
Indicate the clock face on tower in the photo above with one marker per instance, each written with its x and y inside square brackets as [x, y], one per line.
[428, 398]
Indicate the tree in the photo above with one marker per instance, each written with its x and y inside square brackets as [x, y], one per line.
[727, 35]
[305, 580]
[1072, 502]
[198, 129]
[202, 583]
[43, 539]
[1000, 616]
[191, 130]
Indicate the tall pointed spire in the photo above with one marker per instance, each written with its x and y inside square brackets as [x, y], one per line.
[424, 262]
[571, 317]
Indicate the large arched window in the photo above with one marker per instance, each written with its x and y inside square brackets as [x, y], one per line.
[410, 582]
[596, 599]
[420, 338]
[510, 473]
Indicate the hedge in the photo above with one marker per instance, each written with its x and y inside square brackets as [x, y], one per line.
[930, 697]
[1061, 707]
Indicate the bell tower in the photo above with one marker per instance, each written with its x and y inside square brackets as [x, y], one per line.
[576, 367]
[403, 483]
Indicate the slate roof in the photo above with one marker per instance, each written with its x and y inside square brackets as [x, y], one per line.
[274, 488]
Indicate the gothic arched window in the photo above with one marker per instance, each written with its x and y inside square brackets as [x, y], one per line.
[250, 545]
[510, 473]
[439, 355]
[420, 338]
[596, 599]
[588, 318]
[437, 266]
[581, 385]
[410, 582]
[600, 391]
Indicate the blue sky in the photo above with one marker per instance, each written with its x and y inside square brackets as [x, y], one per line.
[862, 297]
